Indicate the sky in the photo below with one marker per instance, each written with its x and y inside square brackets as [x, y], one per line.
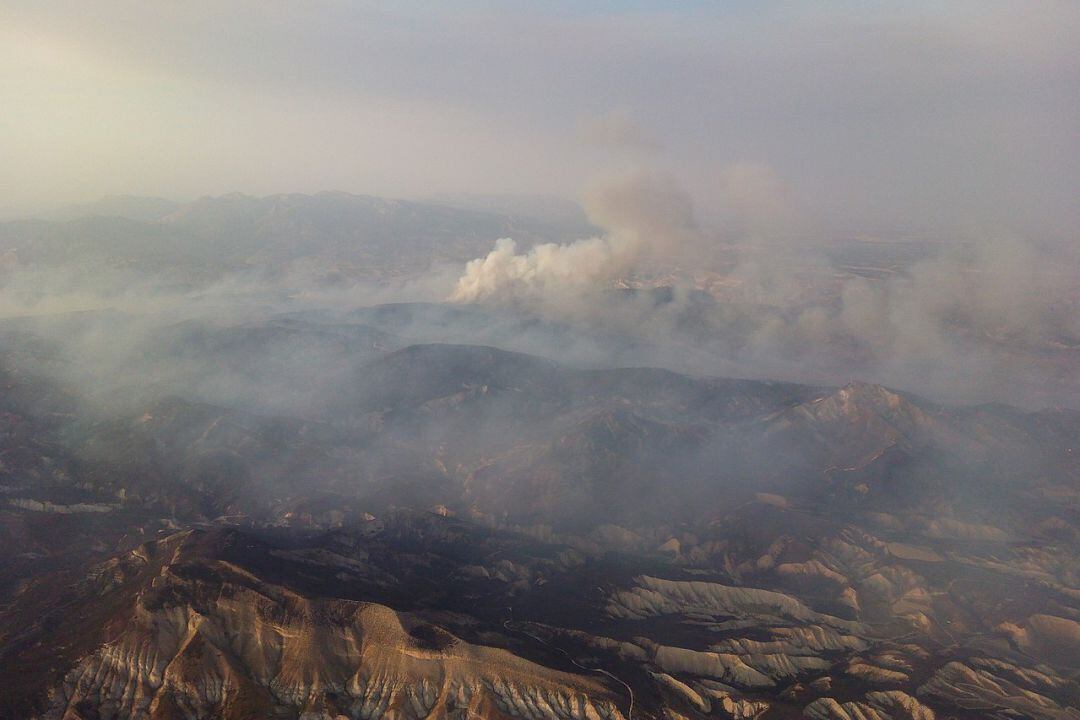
[862, 117]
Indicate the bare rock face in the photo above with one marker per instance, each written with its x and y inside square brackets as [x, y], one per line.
[1048, 636]
[682, 691]
[805, 640]
[892, 705]
[991, 695]
[874, 674]
[211, 640]
[726, 703]
[654, 596]
[726, 667]
[856, 423]
[710, 698]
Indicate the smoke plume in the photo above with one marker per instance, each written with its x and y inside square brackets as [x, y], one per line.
[645, 217]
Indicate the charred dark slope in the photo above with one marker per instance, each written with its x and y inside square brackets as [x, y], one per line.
[519, 329]
[531, 429]
[422, 373]
[281, 365]
[279, 339]
[277, 365]
[720, 545]
[609, 463]
[198, 460]
[516, 436]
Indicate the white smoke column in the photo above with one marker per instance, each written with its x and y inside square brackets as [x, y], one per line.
[503, 271]
[645, 216]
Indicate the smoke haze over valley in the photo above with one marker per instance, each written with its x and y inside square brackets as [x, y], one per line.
[619, 361]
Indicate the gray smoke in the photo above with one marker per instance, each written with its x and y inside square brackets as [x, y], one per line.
[647, 218]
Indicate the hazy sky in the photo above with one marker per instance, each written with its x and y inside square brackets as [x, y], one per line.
[871, 115]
